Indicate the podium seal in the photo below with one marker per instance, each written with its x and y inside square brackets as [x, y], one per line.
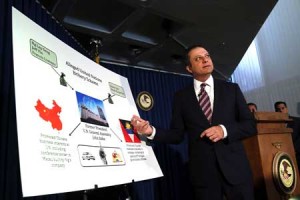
[284, 173]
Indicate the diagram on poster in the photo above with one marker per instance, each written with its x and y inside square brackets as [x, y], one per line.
[73, 118]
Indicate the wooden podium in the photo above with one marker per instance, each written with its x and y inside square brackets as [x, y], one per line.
[267, 152]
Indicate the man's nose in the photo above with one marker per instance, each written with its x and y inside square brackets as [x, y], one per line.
[204, 60]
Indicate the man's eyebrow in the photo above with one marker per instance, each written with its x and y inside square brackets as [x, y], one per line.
[202, 55]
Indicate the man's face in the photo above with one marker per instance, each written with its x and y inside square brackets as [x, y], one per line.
[201, 64]
[281, 108]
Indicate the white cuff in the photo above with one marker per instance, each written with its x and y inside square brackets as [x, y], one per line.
[151, 137]
[224, 130]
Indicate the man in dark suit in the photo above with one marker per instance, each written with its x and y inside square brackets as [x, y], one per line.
[217, 161]
[281, 106]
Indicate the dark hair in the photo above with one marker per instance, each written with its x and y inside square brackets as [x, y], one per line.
[188, 50]
[252, 104]
[279, 102]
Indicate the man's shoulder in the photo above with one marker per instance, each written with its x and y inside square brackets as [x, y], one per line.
[185, 90]
[219, 82]
[295, 124]
[295, 118]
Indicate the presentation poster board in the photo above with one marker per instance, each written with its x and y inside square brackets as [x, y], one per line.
[73, 118]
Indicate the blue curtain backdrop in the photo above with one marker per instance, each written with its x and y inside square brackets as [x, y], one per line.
[172, 158]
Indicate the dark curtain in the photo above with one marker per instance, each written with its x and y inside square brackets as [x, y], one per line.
[172, 158]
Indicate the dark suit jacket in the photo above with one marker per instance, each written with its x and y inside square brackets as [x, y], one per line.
[229, 109]
[295, 125]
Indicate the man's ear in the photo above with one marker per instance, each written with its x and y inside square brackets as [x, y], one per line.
[188, 68]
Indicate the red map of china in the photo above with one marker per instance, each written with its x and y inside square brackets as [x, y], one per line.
[50, 114]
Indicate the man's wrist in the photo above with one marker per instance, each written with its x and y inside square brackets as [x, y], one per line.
[151, 136]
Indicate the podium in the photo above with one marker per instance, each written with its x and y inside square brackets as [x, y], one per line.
[272, 158]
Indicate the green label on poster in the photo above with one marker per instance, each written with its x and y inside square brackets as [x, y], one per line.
[44, 54]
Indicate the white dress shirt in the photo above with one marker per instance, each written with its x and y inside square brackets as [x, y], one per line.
[209, 88]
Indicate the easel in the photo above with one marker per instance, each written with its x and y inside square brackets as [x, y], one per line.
[122, 190]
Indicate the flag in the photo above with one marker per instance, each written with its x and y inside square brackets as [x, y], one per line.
[130, 135]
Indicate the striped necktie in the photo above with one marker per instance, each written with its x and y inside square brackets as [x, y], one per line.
[204, 102]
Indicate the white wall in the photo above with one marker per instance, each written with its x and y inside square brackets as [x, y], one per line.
[273, 74]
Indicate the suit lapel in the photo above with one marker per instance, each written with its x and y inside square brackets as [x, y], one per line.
[191, 95]
[217, 107]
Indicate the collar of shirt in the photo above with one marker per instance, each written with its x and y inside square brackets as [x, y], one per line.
[209, 88]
